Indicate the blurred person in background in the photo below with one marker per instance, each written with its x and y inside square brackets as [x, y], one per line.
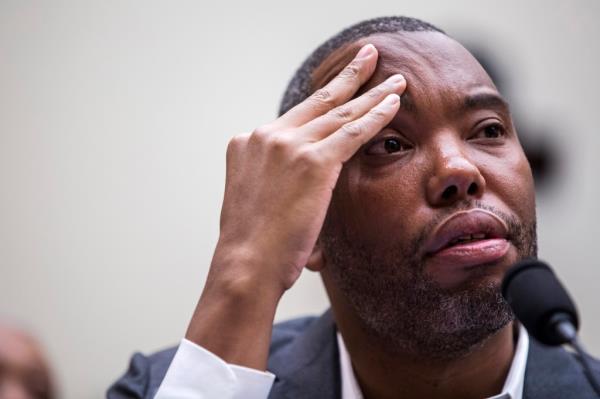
[24, 370]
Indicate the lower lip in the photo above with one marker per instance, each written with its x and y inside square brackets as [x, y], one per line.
[473, 253]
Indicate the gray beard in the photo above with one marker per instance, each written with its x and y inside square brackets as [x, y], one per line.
[404, 309]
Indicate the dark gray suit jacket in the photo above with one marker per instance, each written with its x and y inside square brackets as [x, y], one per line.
[304, 357]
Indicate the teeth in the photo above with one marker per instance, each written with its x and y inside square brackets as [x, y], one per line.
[467, 237]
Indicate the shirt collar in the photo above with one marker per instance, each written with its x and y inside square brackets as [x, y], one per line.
[512, 389]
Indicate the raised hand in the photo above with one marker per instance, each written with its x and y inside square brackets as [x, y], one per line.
[278, 187]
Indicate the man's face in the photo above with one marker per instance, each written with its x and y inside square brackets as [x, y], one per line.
[427, 216]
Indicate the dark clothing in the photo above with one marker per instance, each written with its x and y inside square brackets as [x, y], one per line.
[304, 357]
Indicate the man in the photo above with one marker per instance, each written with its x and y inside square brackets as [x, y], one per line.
[24, 371]
[411, 210]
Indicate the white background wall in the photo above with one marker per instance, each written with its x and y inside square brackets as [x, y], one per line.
[114, 117]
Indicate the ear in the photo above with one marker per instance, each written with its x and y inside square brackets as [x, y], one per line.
[316, 261]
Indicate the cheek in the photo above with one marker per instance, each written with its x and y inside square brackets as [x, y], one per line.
[512, 181]
[377, 209]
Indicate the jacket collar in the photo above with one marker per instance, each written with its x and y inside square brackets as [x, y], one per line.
[309, 368]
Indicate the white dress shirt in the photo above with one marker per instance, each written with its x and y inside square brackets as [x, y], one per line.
[196, 373]
[512, 389]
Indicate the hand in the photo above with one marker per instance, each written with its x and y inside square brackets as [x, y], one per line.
[280, 177]
[279, 183]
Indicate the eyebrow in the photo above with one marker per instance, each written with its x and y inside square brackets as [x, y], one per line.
[407, 103]
[471, 102]
[485, 100]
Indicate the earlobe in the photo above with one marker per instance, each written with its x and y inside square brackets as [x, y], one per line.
[316, 261]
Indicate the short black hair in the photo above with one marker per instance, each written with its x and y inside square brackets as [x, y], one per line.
[300, 85]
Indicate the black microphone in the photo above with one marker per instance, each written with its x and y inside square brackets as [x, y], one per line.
[540, 302]
[545, 308]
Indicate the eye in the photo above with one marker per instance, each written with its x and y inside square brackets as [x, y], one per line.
[387, 145]
[491, 131]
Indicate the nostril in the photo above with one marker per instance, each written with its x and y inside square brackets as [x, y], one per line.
[472, 189]
[449, 192]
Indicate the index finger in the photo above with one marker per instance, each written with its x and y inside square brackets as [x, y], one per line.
[338, 91]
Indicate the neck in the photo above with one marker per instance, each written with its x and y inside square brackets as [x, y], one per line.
[478, 374]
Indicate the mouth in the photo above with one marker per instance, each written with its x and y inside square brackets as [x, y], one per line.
[469, 238]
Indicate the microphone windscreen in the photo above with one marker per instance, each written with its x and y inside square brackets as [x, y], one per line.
[538, 300]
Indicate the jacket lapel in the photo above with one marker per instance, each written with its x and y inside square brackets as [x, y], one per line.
[309, 366]
[554, 373]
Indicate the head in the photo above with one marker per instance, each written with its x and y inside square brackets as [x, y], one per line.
[449, 160]
[24, 372]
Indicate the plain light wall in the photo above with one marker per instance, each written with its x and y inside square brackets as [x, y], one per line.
[114, 117]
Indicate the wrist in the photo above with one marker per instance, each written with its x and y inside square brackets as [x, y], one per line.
[235, 313]
[244, 291]
[240, 271]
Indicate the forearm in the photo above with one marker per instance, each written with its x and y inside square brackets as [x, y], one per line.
[278, 188]
[234, 319]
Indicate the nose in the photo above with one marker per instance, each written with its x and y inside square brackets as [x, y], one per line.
[454, 178]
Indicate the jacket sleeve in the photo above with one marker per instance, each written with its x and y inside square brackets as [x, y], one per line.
[192, 373]
[143, 377]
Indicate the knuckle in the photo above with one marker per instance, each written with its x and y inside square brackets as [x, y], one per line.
[260, 133]
[309, 159]
[233, 144]
[278, 143]
[344, 112]
[377, 114]
[353, 130]
[236, 142]
[322, 99]
[238, 139]
[376, 92]
[351, 71]
[322, 95]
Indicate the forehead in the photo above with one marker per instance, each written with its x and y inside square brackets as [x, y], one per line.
[433, 64]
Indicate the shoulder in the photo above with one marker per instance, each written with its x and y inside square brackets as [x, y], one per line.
[146, 372]
[553, 372]
[143, 376]
[284, 333]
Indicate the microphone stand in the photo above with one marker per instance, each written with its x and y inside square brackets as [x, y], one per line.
[544, 307]
[567, 331]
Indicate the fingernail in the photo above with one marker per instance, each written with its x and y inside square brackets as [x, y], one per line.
[391, 99]
[366, 51]
[396, 78]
